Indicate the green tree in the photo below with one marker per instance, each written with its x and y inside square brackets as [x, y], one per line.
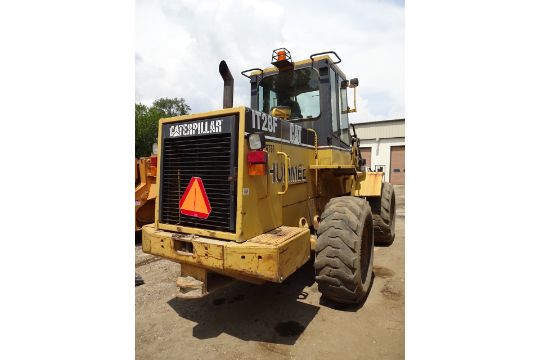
[147, 119]
[172, 107]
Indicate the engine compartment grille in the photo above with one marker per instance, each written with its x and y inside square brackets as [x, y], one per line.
[213, 159]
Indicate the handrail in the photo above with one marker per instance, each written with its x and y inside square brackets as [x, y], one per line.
[325, 52]
[316, 158]
[245, 71]
[286, 172]
[315, 140]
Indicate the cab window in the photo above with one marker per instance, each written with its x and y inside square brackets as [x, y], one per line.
[344, 115]
[298, 90]
[333, 104]
[340, 113]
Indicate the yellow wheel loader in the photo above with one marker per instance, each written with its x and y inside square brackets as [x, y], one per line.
[251, 193]
[145, 192]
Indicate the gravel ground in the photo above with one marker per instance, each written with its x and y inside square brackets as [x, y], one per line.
[272, 321]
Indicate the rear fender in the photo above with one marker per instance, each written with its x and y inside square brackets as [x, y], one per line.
[369, 184]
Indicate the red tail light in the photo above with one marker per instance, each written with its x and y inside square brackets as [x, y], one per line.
[153, 165]
[257, 157]
[257, 160]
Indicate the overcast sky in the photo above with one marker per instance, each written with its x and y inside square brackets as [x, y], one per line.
[179, 44]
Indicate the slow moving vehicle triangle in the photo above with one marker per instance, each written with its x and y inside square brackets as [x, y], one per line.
[194, 201]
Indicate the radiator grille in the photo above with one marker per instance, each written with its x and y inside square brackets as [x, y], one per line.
[213, 159]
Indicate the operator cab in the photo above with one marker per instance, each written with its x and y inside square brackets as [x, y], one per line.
[311, 93]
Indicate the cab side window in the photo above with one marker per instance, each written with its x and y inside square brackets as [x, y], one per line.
[333, 103]
[340, 113]
[344, 114]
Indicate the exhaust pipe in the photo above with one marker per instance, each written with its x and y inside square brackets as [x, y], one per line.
[228, 84]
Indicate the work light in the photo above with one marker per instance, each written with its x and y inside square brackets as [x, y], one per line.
[256, 141]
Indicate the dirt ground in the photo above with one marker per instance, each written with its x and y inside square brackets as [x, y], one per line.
[273, 321]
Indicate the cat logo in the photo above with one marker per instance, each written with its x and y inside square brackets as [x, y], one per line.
[296, 134]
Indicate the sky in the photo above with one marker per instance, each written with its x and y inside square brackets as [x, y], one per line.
[179, 44]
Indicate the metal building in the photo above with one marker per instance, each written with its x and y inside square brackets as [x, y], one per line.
[382, 144]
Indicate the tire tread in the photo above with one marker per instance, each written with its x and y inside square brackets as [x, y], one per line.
[337, 260]
[383, 216]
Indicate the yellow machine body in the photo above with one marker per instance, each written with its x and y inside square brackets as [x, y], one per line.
[275, 220]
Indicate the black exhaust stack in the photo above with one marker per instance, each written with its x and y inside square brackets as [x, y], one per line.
[228, 84]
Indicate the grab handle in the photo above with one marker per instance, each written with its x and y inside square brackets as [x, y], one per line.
[286, 173]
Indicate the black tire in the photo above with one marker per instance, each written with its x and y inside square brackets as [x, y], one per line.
[384, 215]
[138, 236]
[344, 251]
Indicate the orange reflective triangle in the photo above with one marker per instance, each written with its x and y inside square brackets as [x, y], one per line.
[195, 202]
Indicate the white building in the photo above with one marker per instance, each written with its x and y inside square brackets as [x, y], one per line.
[382, 144]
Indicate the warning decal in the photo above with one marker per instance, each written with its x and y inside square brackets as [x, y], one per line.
[195, 202]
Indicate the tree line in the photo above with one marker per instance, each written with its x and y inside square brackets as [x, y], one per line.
[147, 118]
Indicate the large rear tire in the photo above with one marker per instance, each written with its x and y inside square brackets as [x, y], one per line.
[384, 215]
[344, 251]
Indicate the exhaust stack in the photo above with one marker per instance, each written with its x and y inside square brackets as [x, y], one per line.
[228, 84]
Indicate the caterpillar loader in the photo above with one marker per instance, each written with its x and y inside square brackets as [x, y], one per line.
[251, 193]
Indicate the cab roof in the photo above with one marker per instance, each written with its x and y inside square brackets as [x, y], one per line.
[300, 64]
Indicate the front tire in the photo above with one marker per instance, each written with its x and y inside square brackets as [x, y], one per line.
[344, 251]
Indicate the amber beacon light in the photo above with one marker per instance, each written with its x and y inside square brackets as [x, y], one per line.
[281, 58]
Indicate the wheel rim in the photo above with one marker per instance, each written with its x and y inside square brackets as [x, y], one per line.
[365, 250]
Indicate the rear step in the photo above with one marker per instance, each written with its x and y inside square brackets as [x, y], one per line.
[197, 282]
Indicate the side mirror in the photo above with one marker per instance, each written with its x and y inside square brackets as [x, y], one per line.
[353, 83]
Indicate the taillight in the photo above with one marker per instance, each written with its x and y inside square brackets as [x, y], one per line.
[257, 160]
[257, 157]
[153, 165]
[257, 169]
